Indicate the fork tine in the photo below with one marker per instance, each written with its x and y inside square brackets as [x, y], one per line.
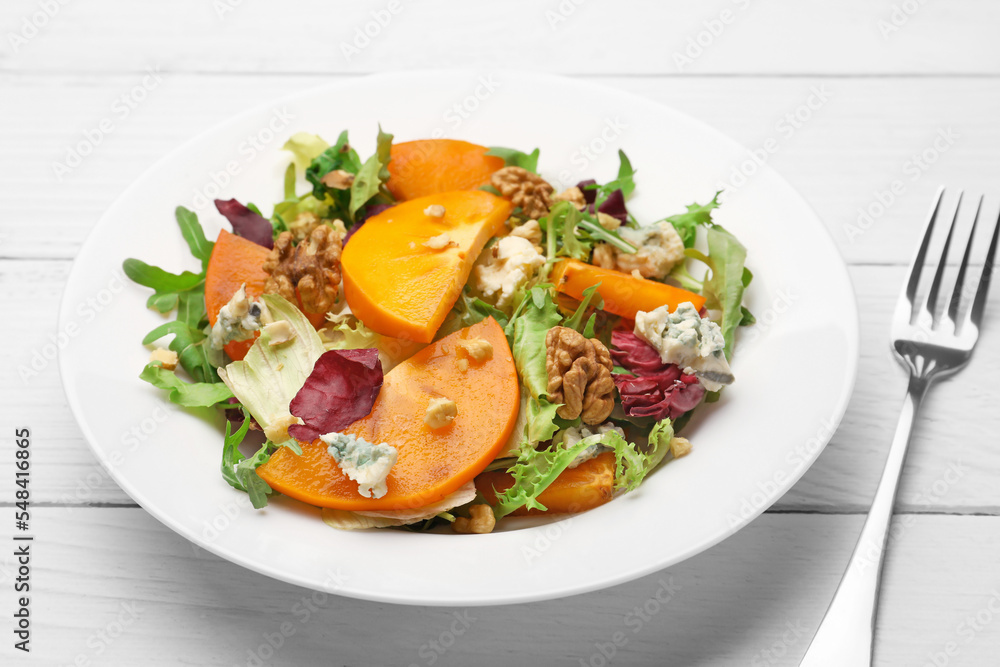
[956, 295]
[979, 304]
[931, 304]
[917, 266]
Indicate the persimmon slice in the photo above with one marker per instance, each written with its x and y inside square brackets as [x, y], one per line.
[432, 166]
[404, 269]
[577, 489]
[623, 294]
[432, 463]
[234, 261]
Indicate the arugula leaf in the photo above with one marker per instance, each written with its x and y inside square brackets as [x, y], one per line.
[193, 233]
[577, 232]
[338, 156]
[165, 329]
[686, 224]
[241, 472]
[156, 278]
[626, 174]
[194, 355]
[372, 176]
[723, 287]
[246, 473]
[187, 394]
[515, 158]
[191, 307]
[539, 314]
[574, 320]
[231, 454]
[162, 303]
[625, 182]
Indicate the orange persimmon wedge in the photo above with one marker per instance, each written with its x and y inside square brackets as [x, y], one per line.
[623, 294]
[577, 489]
[234, 261]
[400, 282]
[432, 463]
[432, 166]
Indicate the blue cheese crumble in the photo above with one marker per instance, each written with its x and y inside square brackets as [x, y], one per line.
[238, 320]
[685, 338]
[505, 267]
[365, 463]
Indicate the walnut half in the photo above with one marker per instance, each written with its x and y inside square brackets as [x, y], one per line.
[312, 267]
[579, 371]
[529, 191]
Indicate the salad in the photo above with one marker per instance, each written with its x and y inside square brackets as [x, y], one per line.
[436, 336]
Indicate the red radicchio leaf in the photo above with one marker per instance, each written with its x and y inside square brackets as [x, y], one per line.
[589, 196]
[614, 205]
[246, 223]
[340, 390]
[655, 389]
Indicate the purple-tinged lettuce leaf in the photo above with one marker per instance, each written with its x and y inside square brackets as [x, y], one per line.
[246, 223]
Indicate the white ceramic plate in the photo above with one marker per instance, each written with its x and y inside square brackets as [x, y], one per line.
[795, 369]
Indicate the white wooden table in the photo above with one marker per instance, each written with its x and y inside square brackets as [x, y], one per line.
[111, 586]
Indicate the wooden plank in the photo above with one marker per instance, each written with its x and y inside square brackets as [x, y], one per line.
[754, 599]
[952, 467]
[843, 159]
[571, 36]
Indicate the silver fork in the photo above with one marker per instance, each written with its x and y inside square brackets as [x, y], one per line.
[931, 340]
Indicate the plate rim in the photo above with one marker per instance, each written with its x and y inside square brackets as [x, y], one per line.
[851, 328]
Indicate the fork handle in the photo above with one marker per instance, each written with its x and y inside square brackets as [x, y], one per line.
[844, 638]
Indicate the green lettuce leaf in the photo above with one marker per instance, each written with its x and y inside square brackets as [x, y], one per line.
[346, 332]
[728, 278]
[541, 422]
[515, 158]
[256, 381]
[187, 394]
[372, 175]
[533, 472]
[659, 442]
[536, 469]
[305, 148]
[531, 324]
[687, 223]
